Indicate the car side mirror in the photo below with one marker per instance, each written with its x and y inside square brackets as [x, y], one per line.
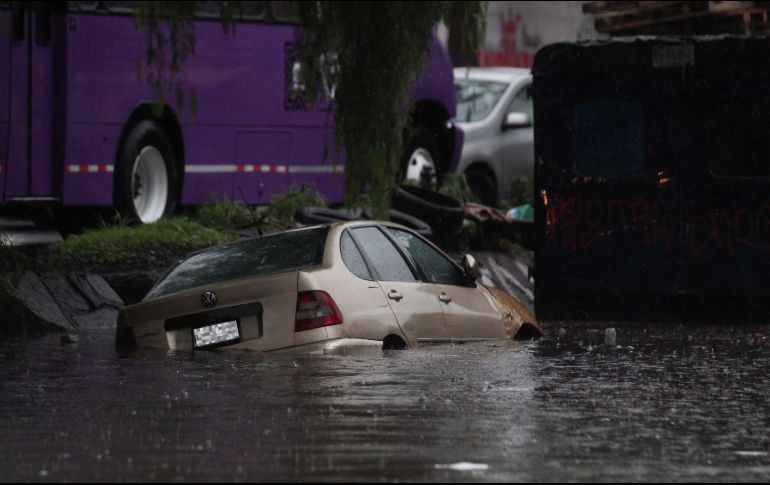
[517, 120]
[471, 268]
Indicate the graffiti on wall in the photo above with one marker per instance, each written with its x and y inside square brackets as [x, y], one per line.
[518, 44]
[577, 224]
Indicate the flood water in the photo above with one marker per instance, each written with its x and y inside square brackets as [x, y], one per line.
[665, 402]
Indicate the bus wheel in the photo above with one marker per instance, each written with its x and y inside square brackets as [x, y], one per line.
[421, 158]
[145, 179]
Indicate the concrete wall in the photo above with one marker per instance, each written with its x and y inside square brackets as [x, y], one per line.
[516, 30]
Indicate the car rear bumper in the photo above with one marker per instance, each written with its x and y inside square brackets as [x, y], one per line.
[339, 346]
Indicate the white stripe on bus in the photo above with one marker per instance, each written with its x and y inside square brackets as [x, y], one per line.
[210, 168]
[227, 168]
[89, 168]
[263, 168]
[316, 168]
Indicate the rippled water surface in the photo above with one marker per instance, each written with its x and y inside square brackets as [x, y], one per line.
[665, 402]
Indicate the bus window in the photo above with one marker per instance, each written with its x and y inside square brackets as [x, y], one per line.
[285, 12]
[83, 6]
[121, 7]
[207, 10]
[607, 138]
[253, 10]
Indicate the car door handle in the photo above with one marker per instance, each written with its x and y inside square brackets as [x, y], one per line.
[445, 298]
[395, 295]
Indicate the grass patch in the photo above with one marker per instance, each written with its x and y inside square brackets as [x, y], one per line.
[124, 248]
[279, 215]
[150, 246]
[13, 319]
[226, 216]
[12, 261]
[456, 187]
[522, 192]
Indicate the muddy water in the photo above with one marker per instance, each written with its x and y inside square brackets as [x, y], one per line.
[663, 402]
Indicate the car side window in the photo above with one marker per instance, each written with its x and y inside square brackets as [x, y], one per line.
[435, 267]
[522, 102]
[385, 258]
[352, 258]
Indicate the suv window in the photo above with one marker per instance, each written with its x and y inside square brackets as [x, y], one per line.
[476, 99]
[435, 267]
[383, 255]
[269, 254]
[522, 102]
[352, 258]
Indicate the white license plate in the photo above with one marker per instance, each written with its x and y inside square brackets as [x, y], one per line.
[216, 334]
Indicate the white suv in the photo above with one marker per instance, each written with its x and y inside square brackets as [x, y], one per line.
[494, 110]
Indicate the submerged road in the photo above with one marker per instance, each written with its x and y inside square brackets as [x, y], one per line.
[656, 402]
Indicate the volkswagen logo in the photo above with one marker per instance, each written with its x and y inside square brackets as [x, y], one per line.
[209, 299]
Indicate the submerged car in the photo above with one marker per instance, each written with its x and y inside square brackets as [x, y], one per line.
[318, 288]
[494, 110]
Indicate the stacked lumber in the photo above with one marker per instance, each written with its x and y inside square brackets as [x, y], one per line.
[680, 18]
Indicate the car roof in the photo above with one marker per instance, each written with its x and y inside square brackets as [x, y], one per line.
[495, 74]
[329, 225]
[365, 222]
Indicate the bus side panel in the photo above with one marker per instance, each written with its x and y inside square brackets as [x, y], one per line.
[245, 81]
[42, 84]
[89, 164]
[317, 162]
[240, 84]
[209, 165]
[263, 164]
[17, 166]
[437, 79]
[5, 90]
[274, 162]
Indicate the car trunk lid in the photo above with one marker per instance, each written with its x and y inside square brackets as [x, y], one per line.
[263, 307]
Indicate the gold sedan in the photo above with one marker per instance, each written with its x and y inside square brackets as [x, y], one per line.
[319, 289]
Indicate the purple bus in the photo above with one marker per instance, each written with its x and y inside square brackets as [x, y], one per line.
[77, 126]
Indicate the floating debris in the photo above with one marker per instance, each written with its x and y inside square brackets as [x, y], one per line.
[463, 466]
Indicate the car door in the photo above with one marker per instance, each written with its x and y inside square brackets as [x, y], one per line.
[415, 303]
[365, 307]
[517, 145]
[469, 311]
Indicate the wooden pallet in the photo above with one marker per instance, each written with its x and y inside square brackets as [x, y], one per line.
[696, 17]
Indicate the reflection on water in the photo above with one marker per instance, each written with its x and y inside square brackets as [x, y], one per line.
[663, 403]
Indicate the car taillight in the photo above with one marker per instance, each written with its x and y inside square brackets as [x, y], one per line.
[316, 309]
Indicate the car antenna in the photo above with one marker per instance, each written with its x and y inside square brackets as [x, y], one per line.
[259, 222]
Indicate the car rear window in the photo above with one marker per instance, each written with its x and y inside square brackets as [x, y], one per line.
[352, 258]
[269, 254]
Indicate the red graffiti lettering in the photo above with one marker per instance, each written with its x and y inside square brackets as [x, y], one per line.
[592, 218]
[578, 223]
[511, 54]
